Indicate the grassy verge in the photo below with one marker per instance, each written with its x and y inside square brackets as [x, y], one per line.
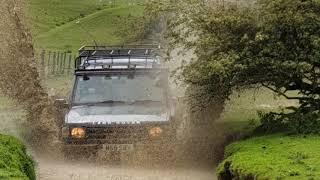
[14, 162]
[273, 157]
[266, 157]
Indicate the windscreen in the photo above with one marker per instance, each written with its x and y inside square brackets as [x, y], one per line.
[118, 88]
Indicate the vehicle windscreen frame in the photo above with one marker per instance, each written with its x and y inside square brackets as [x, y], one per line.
[118, 72]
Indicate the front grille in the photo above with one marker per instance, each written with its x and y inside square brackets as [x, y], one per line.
[119, 135]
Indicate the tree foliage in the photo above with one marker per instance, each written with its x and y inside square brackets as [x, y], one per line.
[274, 44]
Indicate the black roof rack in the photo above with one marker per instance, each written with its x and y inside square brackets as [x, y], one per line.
[106, 57]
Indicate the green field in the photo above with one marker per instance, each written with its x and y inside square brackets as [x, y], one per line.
[70, 24]
[274, 157]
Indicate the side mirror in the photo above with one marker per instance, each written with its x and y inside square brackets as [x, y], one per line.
[61, 104]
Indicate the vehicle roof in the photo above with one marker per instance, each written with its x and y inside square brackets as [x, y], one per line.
[105, 58]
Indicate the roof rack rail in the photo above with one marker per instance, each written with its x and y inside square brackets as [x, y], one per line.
[131, 46]
[112, 57]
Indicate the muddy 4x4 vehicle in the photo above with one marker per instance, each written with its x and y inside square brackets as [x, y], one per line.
[120, 102]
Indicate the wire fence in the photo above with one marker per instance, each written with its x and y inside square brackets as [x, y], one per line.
[55, 63]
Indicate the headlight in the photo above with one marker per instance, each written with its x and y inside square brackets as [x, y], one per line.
[155, 132]
[78, 132]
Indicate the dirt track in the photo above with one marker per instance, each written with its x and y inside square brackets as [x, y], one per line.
[60, 170]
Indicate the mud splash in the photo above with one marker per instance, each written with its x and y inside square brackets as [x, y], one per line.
[19, 79]
[201, 140]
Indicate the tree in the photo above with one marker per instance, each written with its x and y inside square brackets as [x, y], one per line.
[274, 44]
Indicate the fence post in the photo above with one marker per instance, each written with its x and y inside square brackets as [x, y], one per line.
[48, 66]
[60, 65]
[74, 57]
[58, 62]
[69, 64]
[42, 57]
[42, 70]
[64, 61]
[54, 62]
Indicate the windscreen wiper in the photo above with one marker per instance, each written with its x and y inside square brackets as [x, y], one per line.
[109, 101]
[144, 101]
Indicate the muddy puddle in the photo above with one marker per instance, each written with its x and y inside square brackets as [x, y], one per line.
[49, 169]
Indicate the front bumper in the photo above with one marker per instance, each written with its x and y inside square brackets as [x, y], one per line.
[97, 136]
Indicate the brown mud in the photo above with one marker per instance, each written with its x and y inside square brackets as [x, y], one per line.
[50, 169]
[19, 78]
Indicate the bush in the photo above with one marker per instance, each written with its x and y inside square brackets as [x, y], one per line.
[298, 122]
[14, 161]
[270, 123]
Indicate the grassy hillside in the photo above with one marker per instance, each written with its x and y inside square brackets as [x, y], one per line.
[273, 157]
[69, 24]
[14, 162]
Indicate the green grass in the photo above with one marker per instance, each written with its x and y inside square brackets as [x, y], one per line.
[274, 157]
[14, 162]
[67, 25]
